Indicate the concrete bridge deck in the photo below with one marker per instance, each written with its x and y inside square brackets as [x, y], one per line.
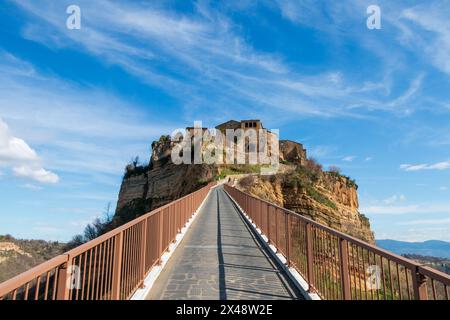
[220, 258]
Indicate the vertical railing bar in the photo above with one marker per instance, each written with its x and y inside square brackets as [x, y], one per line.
[310, 255]
[336, 259]
[314, 251]
[102, 277]
[330, 268]
[364, 273]
[407, 283]
[137, 253]
[143, 251]
[105, 287]
[383, 278]
[132, 252]
[391, 280]
[47, 282]
[359, 271]
[110, 267]
[79, 267]
[55, 281]
[433, 288]
[14, 295]
[38, 284]
[83, 284]
[398, 283]
[94, 273]
[288, 239]
[318, 240]
[129, 255]
[334, 266]
[116, 285]
[88, 288]
[355, 268]
[27, 288]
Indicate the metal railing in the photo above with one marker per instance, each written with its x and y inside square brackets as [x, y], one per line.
[338, 266]
[111, 267]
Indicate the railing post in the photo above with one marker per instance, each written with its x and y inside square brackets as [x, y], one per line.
[160, 234]
[345, 275]
[117, 269]
[268, 224]
[64, 280]
[288, 238]
[309, 256]
[419, 285]
[143, 251]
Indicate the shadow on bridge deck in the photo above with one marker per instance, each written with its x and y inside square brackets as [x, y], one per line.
[220, 258]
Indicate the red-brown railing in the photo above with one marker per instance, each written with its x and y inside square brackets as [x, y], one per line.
[111, 267]
[338, 266]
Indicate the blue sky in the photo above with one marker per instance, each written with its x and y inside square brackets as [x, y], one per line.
[77, 105]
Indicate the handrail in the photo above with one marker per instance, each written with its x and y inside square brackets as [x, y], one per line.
[339, 266]
[112, 266]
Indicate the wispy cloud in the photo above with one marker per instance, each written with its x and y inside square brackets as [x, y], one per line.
[32, 187]
[444, 165]
[62, 119]
[394, 198]
[435, 41]
[349, 158]
[426, 222]
[406, 209]
[203, 47]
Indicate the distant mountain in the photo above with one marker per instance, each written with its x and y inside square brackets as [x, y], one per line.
[433, 248]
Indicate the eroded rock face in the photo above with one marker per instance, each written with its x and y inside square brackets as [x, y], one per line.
[327, 198]
[146, 188]
[340, 211]
[292, 152]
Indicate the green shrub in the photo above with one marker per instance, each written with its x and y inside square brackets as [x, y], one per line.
[319, 197]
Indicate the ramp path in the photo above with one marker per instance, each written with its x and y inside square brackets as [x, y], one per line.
[220, 258]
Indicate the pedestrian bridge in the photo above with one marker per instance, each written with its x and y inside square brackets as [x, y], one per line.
[220, 243]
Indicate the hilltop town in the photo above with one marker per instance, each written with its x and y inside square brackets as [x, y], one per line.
[300, 184]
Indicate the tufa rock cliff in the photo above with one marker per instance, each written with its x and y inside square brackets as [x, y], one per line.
[301, 185]
[145, 188]
[326, 197]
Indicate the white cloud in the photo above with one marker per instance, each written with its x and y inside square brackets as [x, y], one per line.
[22, 158]
[424, 166]
[13, 149]
[203, 47]
[368, 158]
[395, 198]
[78, 128]
[349, 158]
[39, 174]
[416, 234]
[32, 186]
[435, 41]
[426, 222]
[406, 209]
[443, 188]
